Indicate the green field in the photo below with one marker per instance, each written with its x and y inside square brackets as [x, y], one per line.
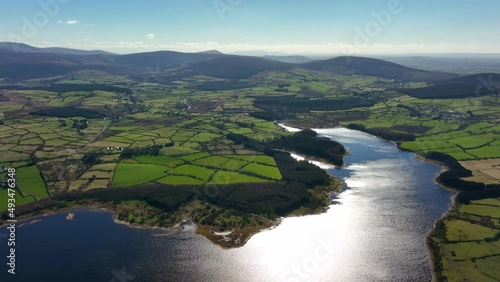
[195, 156]
[460, 230]
[229, 177]
[118, 114]
[19, 199]
[195, 171]
[263, 170]
[204, 137]
[135, 174]
[179, 180]
[233, 164]
[481, 210]
[257, 159]
[485, 152]
[212, 161]
[159, 160]
[470, 247]
[471, 250]
[31, 183]
[176, 150]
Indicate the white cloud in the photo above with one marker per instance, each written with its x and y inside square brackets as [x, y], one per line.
[151, 36]
[72, 21]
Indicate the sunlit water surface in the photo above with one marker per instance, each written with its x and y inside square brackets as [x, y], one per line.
[374, 231]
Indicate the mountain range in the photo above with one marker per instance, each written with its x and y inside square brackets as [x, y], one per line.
[20, 61]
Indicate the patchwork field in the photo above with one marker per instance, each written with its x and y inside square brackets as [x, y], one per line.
[193, 144]
[135, 174]
[466, 129]
[470, 246]
[31, 183]
[193, 147]
[197, 168]
[486, 171]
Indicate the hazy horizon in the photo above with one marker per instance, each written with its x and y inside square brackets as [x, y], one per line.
[322, 28]
[284, 54]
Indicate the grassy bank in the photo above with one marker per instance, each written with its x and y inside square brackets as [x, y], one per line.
[465, 244]
[209, 218]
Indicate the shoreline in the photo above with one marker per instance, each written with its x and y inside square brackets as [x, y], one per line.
[297, 213]
[246, 232]
[430, 249]
[427, 239]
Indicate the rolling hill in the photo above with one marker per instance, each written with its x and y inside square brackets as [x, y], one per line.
[289, 59]
[30, 62]
[462, 87]
[20, 66]
[374, 67]
[24, 48]
[163, 59]
[237, 67]
[28, 65]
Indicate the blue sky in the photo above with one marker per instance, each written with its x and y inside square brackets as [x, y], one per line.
[293, 26]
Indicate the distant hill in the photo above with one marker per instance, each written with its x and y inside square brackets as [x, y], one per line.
[24, 48]
[216, 52]
[461, 87]
[31, 62]
[163, 59]
[27, 64]
[38, 65]
[289, 59]
[17, 47]
[237, 67]
[461, 64]
[347, 65]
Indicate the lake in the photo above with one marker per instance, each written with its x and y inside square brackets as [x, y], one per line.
[373, 231]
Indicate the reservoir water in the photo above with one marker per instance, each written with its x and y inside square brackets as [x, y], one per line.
[374, 231]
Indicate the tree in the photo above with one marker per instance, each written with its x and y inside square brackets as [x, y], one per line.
[90, 158]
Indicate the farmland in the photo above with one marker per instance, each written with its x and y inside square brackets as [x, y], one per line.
[486, 171]
[196, 168]
[58, 143]
[439, 125]
[82, 139]
[116, 139]
[467, 241]
[113, 119]
[31, 182]
[133, 174]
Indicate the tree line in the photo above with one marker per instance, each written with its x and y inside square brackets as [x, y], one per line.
[306, 142]
[453, 177]
[383, 132]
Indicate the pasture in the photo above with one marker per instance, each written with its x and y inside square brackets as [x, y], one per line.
[231, 177]
[136, 174]
[263, 170]
[31, 183]
[469, 247]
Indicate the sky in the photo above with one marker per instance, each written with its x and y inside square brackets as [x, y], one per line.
[246, 26]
